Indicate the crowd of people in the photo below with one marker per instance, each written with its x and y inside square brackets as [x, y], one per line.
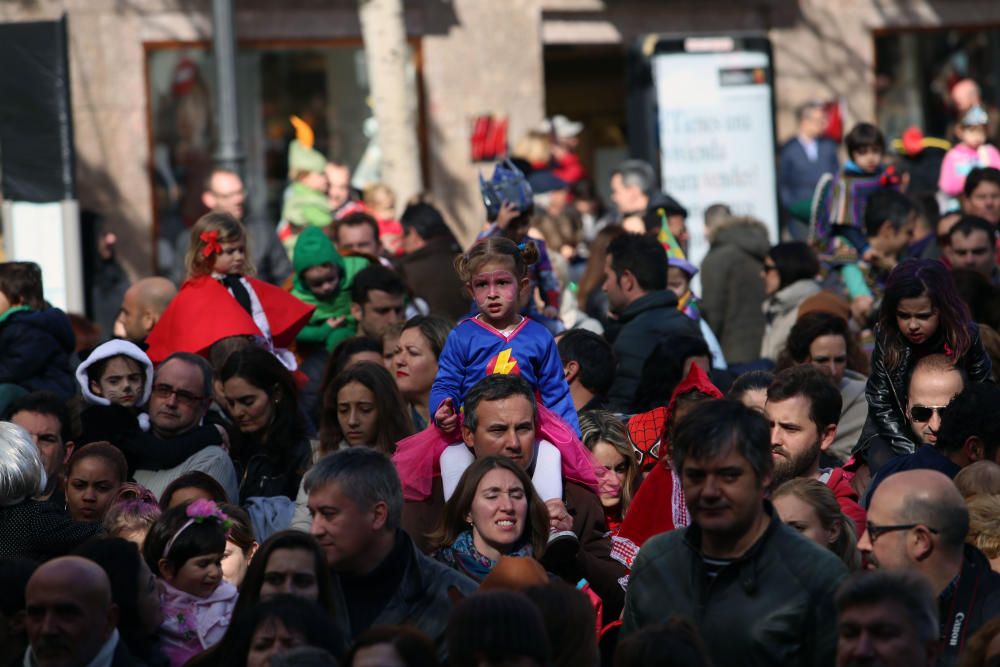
[347, 440]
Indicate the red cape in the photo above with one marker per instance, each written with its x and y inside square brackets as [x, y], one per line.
[204, 312]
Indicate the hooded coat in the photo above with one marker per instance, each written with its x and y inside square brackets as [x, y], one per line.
[35, 347]
[313, 248]
[732, 289]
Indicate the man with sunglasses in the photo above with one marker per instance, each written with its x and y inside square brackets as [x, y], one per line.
[918, 521]
[181, 396]
[934, 383]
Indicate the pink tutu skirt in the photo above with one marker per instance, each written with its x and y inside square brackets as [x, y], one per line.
[417, 457]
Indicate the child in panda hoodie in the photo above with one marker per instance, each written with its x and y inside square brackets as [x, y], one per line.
[116, 381]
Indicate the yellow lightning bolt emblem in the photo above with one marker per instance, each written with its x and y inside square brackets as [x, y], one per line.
[504, 364]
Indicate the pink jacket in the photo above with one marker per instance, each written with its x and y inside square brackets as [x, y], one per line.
[962, 159]
[192, 624]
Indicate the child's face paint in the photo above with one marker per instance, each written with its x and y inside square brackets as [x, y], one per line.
[122, 381]
[496, 290]
[917, 319]
[231, 260]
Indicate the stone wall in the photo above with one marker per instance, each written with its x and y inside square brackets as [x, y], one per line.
[478, 56]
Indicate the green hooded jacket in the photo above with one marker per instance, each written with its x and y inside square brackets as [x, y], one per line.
[313, 248]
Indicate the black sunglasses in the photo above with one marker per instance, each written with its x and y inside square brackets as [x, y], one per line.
[923, 413]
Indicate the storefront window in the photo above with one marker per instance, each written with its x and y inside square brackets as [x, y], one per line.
[326, 85]
[916, 72]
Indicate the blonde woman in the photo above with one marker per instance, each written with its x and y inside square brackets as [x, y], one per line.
[605, 435]
[810, 507]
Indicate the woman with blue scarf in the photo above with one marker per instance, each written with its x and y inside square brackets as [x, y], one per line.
[494, 512]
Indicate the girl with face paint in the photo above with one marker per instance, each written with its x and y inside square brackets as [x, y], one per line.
[498, 340]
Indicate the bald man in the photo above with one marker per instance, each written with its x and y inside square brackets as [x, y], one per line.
[918, 521]
[71, 620]
[142, 307]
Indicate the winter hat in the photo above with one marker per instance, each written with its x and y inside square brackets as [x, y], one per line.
[496, 627]
[825, 302]
[301, 154]
[107, 350]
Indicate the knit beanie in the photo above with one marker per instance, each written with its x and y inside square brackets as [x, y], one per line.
[109, 349]
[495, 627]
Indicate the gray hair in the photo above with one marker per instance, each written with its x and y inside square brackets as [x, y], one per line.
[907, 588]
[22, 474]
[365, 476]
[207, 373]
[637, 173]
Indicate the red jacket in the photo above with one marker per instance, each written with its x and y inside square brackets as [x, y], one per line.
[840, 483]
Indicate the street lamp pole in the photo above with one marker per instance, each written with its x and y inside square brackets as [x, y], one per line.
[229, 153]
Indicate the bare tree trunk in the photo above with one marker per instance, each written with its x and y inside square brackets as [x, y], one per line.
[386, 52]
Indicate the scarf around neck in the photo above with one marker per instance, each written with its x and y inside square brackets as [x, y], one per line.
[464, 557]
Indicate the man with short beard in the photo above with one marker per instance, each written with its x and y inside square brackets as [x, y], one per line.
[803, 406]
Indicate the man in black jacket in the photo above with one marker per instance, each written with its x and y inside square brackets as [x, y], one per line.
[635, 280]
[918, 521]
[379, 576]
[757, 590]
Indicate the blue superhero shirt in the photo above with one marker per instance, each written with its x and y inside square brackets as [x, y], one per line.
[475, 349]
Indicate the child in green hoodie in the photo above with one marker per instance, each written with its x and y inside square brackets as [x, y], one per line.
[323, 279]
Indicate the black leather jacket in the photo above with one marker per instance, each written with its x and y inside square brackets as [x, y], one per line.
[887, 390]
[772, 606]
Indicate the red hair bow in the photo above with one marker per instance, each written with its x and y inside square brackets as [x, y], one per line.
[890, 177]
[212, 245]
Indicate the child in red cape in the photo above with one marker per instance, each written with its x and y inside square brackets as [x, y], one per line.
[662, 487]
[220, 298]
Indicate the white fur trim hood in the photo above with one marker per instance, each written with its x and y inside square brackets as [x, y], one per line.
[113, 348]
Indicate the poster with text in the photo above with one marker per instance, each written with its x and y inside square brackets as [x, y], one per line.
[716, 132]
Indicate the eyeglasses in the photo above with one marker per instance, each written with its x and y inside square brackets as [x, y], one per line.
[165, 391]
[923, 413]
[874, 532]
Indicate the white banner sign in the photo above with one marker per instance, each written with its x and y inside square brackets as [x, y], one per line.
[717, 137]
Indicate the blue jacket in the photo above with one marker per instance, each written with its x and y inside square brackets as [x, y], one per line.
[798, 175]
[35, 348]
[474, 350]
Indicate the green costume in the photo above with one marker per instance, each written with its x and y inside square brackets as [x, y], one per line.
[313, 248]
